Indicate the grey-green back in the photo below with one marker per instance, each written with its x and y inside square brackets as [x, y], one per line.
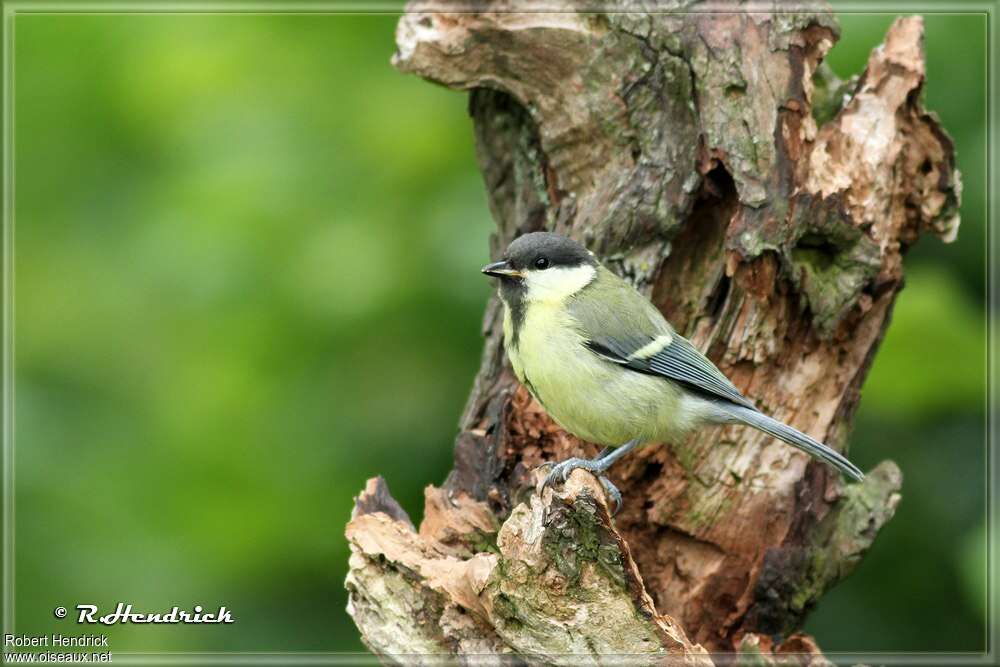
[617, 321]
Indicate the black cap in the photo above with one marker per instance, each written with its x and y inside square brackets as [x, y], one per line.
[533, 250]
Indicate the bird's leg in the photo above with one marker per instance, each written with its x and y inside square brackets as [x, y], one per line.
[604, 452]
[598, 466]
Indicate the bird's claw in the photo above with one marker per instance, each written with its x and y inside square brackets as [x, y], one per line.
[547, 464]
[560, 473]
[613, 493]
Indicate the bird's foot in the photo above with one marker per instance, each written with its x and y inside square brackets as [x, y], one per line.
[560, 473]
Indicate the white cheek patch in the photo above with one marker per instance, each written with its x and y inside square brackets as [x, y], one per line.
[558, 283]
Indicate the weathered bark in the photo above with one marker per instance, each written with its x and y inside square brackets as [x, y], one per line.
[764, 206]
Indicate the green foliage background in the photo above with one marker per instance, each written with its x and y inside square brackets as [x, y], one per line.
[247, 258]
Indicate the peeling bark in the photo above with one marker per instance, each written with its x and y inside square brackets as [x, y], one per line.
[556, 584]
[764, 205]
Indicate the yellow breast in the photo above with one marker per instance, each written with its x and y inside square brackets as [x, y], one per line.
[586, 395]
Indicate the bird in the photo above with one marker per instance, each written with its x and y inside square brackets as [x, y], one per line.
[606, 365]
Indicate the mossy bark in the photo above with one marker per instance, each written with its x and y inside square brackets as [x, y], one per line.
[764, 206]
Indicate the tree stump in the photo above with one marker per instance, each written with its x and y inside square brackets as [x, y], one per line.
[707, 155]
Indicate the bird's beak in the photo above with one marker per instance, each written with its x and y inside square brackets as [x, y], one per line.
[502, 269]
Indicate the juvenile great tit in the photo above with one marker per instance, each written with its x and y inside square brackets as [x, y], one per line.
[607, 366]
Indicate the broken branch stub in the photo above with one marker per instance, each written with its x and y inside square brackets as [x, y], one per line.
[556, 583]
[764, 206]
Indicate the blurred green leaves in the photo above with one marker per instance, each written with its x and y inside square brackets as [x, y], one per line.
[933, 361]
[247, 279]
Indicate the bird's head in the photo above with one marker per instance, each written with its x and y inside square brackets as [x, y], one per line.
[544, 266]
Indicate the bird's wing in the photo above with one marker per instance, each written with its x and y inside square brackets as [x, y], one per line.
[633, 334]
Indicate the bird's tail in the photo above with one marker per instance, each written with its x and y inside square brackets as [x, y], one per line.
[793, 437]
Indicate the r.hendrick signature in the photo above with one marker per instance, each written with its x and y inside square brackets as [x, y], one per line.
[123, 614]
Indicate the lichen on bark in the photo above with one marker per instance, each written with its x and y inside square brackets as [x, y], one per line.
[764, 205]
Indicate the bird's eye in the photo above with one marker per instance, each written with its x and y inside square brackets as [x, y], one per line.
[541, 263]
